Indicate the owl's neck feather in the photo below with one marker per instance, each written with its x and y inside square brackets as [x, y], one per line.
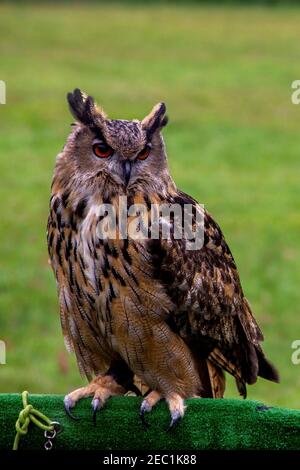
[95, 191]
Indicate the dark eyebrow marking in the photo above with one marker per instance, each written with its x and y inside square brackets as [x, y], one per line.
[99, 135]
[97, 132]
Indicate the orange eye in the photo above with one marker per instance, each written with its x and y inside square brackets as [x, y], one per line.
[144, 153]
[102, 150]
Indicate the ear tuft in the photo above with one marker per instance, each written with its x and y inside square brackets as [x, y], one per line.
[164, 121]
[155, 120]
[84, 108]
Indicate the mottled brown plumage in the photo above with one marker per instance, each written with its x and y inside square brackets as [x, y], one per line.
[143, 310]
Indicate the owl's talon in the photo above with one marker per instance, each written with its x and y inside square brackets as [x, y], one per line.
[175, 418]
[68, 404]
[145, 408]
[142, 415]
[96, 405]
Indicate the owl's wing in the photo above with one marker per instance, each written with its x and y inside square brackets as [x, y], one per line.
[212, 314]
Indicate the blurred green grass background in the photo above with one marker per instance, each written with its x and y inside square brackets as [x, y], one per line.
[233, 143]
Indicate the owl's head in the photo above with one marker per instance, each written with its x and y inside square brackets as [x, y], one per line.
[127, 153]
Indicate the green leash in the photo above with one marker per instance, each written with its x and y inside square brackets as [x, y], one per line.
[27, 415]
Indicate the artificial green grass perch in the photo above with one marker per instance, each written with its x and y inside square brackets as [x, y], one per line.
[208, 424]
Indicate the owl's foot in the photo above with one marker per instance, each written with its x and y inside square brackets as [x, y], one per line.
[147, 404]
[101, 389]
[175, 403]
[177, 409]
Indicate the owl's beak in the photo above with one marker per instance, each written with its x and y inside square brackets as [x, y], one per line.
[127, 165]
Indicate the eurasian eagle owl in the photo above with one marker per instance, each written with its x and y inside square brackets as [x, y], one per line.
[149, 307]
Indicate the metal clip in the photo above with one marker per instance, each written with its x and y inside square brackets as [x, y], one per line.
[51, 434]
